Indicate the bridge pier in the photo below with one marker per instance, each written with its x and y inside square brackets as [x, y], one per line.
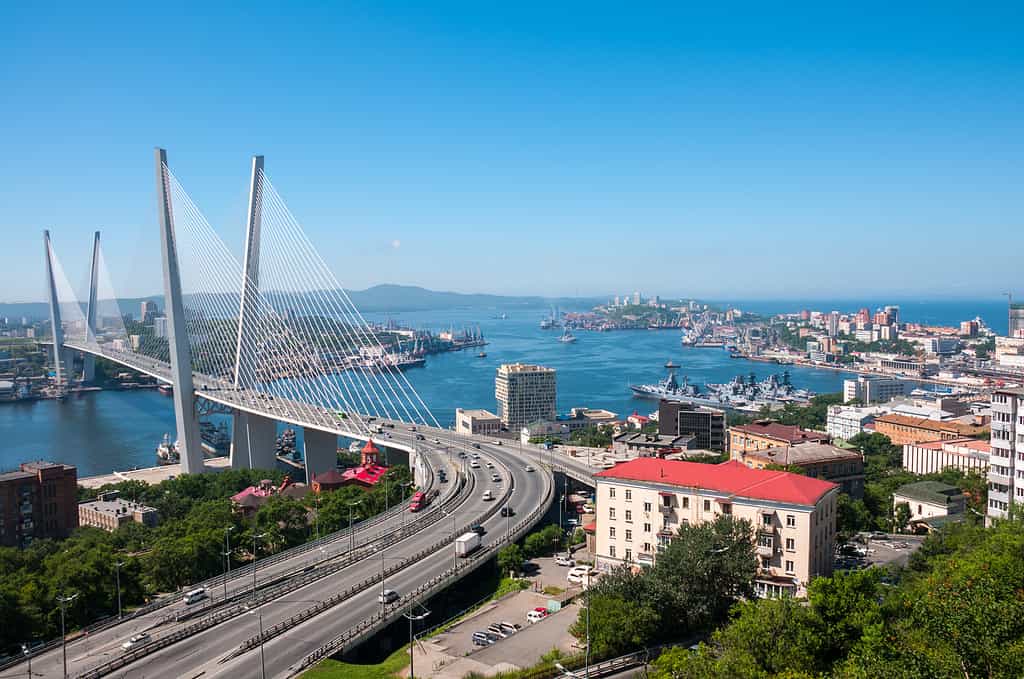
[59, 353]
[253, 442]
[88, 360]
[320, 453]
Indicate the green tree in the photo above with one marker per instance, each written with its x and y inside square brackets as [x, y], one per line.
[901, 516]
[617, 625]
[510, 560]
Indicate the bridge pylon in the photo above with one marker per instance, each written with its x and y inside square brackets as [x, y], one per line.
[189, 445]
[55, 321]
[88, 360]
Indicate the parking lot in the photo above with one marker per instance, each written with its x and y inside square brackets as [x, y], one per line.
[892, 550]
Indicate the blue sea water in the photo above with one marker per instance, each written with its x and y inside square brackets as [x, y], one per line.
[103, 431]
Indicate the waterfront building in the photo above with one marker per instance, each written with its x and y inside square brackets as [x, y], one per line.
[38, 501]
[1005, 486]
[706, 425]
[901, 365]
[476, 421]
[148, 311]
[764, 434]
[931, 457]
[929, 499]
[643, 502]
[873, 388]
[845, 422]
[108, 512]
[525, 394]
[969, 328]
[907, 429]
[817, 460]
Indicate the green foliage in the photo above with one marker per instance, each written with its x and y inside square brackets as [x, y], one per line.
[510, 559]
[508, 585]
[617, 625]
[814, 415]
[544, 542]
[593, 437]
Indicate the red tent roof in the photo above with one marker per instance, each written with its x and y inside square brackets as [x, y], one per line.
[732, 477]
[370, 448]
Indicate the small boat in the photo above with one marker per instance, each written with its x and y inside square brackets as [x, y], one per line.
[482, 354]
[167, 452]
[567, 336]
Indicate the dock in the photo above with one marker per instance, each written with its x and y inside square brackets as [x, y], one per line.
[150, 475]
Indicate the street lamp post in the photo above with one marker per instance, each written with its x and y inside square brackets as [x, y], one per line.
[351, 526]
[259, 618]
[255, 537]
[64, 601]
[117, 576]
[227, 558]
[412, 639]
[28, 654]
[316, 517]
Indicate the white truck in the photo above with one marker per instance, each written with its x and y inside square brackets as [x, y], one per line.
[466, 544]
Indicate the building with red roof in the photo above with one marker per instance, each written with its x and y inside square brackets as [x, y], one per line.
[642, 504]
[764, 434]
[369, 472]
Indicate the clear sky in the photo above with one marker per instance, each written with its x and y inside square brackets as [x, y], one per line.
[761, 150]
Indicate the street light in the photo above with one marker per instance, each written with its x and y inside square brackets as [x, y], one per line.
[255, 537]
[259, 617]
[64, 601]
[227, 557]
[351, 526]
[117, 575]
[455, 547]
[412, 650]
[28, 654]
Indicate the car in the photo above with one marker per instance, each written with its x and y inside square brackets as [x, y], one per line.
[507, 511]
[510, 627]
[488, 496]
[497, 442]
[462, 455]
[137, 640]
[529, 468]
[421, 437]
[387, 596]
[442, 478]
[496, 629]
[476, 456]
[578, 575]
[474, 465]
[495, 478]
[879, 535]
[412, 428]
[536, 615]
[478, 529]
[492, 637]
[477, 446]
[437, 442]
[490, 465]
[572, 522]
[481, 639]
[563, 560]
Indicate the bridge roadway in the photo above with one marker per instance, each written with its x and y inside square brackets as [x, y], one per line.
[201, 655]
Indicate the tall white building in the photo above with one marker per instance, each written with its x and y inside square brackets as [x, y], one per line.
[1006, 459]
[833, 324]
[525, 394]
[873, 388]
[160, 326]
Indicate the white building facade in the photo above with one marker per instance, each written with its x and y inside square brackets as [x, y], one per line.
[1006, 468]
[933, 456]
[525, 394]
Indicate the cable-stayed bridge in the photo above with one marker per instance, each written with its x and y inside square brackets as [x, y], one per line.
[273, 337]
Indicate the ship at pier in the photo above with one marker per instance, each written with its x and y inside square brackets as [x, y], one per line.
[743, 394]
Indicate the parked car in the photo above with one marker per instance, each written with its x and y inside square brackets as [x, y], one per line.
[578, 574]
[496, 629]
[474, 465]
[510, 627]
[564, 560]
[536, 615]
[387, 596]
[481, 639]
[572, 522]
[137, 640]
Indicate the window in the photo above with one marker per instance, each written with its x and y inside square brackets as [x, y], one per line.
[789, 567]
[629, 535]
[766, 520]
[629, 516]
[611, 492]
[726, 508]
[790, 521]
[686, 503]
[790, 545]
[765, 541]
[629, 555]
[611, 532]
[611, 551]
[647, 506]
[611, 512]
[766, 563]
[647, 547]
[647, 528]
[666, 500]
[629, 495]
[707, 505]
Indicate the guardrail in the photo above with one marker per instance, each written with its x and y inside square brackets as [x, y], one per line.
[354, 635]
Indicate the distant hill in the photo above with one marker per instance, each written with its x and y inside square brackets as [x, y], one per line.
[385, 297]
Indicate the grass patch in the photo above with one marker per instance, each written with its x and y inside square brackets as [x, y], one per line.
[551, 590]
[337, 669]
[510, 585]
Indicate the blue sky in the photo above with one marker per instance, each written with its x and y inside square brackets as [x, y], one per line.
[548, 148]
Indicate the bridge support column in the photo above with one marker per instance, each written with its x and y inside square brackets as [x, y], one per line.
[253, 440]
[321, 452]
[55, 322]
[88, 360]
[245, 363]
[177, 335]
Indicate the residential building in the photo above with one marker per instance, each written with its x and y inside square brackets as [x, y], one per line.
[1016, 327]
[928, 499]
[642, 504]
[706, 425]
[873, 388]
[160, 326]
[476, 421]
[1006, 458]
[148, 311]
[249, 500]
[969, 328]
[901, 365]
[833, 324]
[1010, 352]
[817, 460]
[963, 454]
[764, 434]
[651, 445]
[108, 512]
[941, 346]
[906, 429]
[40, 500]
[845, 422]
[525, 394]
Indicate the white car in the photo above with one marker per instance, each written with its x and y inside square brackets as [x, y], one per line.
[488, 496]
[536, 616]
[529, 468]
[497, 442]
[495, 478]
[563, 560]
[387, 596]
[474, 465]
[579, 575]
[137, 640]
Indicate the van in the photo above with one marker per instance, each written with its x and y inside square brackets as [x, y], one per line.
[536, 615]
[194, 596]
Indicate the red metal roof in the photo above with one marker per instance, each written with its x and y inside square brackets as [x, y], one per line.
[781, 432]
[732, 477]
[368, 475]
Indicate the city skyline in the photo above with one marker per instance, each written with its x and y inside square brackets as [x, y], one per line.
[675, 152]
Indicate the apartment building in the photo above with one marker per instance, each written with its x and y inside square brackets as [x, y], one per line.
[818, 460]
[930, 457]
[767, 434]
[1006, 459]
[525, 394]
[108, 512]
[706, 425]
[40, 500]
[874, 388]
[643, 502]
[903, 429]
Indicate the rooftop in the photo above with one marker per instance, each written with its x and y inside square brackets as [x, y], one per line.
[934, 492]
[116, 507]
[637, 438]
[479, 413]
[806, 453]
[787, 433]
[523, 368]
[934, 425]
[976, 445]
[732, 477]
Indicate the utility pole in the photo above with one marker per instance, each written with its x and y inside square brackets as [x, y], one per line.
[227, 557]
[254, 557]
[412, 639]
[117, 575]
[351, 526]
[28, 654]
[64, 601]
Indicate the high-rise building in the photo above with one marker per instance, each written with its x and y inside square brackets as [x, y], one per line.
[1004, 487]
[863, 317]
[38, 501]
[636, 298]
[1016, 320]
[160, 326]
[833, 324]
[881, 318]
[525, 394]
[706, 425]
[894, 312]
[149, 311]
